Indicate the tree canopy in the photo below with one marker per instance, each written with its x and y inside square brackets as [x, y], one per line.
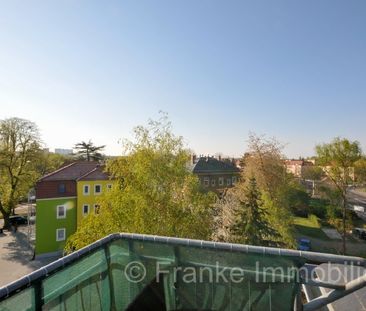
[251, 225]
[87, 151]
[338, 159]
[154, 192]
[263, 163]
[19, 148]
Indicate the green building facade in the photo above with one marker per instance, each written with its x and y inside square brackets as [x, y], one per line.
[57, 207]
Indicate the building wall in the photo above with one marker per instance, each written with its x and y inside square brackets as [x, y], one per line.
[91, 199]
[216, 178]
[47, 223]
[50, 189]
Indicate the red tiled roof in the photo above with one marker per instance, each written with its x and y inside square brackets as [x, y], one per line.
[72, 171]
[97, 173]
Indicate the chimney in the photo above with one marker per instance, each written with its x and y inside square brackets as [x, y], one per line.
[193, 158]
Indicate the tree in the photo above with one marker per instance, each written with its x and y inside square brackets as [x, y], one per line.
[313, 173]
[298, 199]
[223, 217]
[338, 159]
[360, 170]
[88, 152]
[264, 162]
[19, 147]
[251, 225]
[47, 162]
[154, 192]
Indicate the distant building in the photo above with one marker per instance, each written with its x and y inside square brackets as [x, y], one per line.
[298, 167]
[215, 174]
[63, 151]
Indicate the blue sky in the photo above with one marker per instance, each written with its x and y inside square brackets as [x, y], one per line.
[84, 70]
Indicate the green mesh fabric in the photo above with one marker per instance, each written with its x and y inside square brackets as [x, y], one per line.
[22, 301]
[81, 286]
[99, 281]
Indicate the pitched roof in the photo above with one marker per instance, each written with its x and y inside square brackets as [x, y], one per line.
[213, 165]
[97, 173]
[72, 171]
[298, 162]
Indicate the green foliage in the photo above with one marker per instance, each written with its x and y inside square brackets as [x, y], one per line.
[296, 198]
[310, 227]
[319, 207]
[360, 170]
[264, 162]
[155, 193]
[333, 213]
[19, 148]
[313, 173]
[251, 225]
[87, 151]
[47, 162]
[281, 219]
[339, 158]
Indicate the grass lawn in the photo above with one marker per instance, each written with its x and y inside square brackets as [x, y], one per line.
[309, 226]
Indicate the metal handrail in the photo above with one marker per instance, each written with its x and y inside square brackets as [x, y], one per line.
[340, 290]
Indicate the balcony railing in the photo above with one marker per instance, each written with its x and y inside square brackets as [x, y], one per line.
[141, 272]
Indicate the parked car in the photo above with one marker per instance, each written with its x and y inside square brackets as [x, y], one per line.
[304, 245]
[360, 233]
[18, 220]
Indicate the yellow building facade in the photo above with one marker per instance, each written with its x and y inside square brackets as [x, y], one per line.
[90, 188]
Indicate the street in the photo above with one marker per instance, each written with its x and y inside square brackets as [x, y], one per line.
[16, 255]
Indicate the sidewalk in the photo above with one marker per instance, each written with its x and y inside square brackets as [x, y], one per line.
[16, 255]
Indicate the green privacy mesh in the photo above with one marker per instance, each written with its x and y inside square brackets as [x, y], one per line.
[24, 300]
[180, 277]
[81, 286]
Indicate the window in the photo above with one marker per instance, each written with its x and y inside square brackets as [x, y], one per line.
[61, 188]
[233, 180]
[109, 186]
[86, 189]
[96, 208]
[85, 209]
[221, 181]
[61, 234]
[228, 182]
[206, 181]
[213, 182]
[61, 212]
[97, 189]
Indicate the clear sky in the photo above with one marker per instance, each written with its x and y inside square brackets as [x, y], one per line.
[84, 70]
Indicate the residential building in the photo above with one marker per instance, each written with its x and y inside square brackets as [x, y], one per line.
[63, 151]
[61, 202]
[215, 174]
[298, 167]
[89, 187]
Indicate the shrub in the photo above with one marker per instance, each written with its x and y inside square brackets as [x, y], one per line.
[318, 207]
